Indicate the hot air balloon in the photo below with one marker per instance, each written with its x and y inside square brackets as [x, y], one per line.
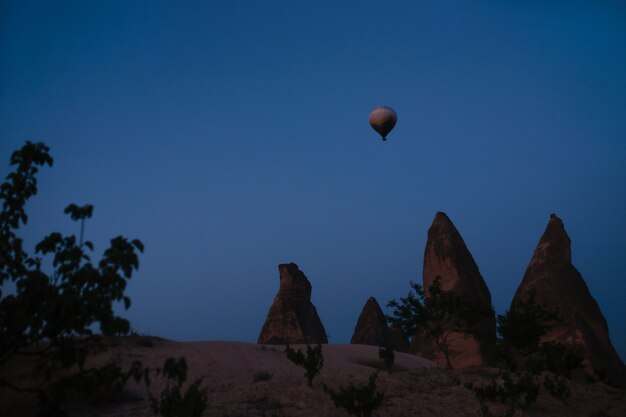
[383, 119]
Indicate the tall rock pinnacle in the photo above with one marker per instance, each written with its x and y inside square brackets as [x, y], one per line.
[446, 257]
[292, 318]
[558, 285]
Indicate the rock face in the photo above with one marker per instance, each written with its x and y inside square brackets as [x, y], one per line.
[558, 285]
[292, 318]
[446, 257]
[371, 329]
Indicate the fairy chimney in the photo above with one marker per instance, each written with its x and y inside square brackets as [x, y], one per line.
[292, 318]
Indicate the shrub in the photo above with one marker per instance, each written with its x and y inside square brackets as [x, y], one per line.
[312, 362]
[520, 393]
[173, 403]
[388, 357]
[557, 387]
[358, 400]
[262, 376]
[561, 359]
[144, 342]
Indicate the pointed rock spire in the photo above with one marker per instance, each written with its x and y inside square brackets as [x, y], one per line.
[446, 257]
[292, 318]
[557, 284]
[371, 329]
[554, 247]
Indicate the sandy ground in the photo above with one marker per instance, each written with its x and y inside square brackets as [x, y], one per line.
[416, 387]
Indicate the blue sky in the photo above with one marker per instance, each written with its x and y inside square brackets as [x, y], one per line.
[231, 136]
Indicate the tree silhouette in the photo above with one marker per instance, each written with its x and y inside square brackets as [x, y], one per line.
[58, 317]
[439, 314]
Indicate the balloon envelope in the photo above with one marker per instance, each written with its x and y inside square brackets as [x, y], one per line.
[383, 119]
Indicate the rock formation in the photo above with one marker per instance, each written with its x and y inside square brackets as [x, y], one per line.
[558, 285]
[446, 257]
[371, 329]
[292, 318]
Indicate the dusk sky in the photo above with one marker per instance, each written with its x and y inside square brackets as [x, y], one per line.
[231, 136]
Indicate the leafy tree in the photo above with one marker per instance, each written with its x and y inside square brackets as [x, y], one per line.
[358, 400]
[312, 362]
[58, 315]
[439, 314]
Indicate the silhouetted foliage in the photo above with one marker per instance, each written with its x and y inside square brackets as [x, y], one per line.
[312, 362]
[523, 327]
[388, 356]
[262, 376]
[172, 402]
[558, 358]
[53, 316]
[358, 400]
[522, 330]
[439, 314]
[557, 387]
[144, 342]
[516, 393]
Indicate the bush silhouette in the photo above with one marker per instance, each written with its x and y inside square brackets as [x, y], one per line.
[516, 393]
[388, 356]
[358, 400]
[559, 358]
[262, 376]
[556, 386]
[312, 362]
[173, 403]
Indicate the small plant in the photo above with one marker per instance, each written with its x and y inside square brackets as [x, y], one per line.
[388, 357]
[557, 387]
[515, 394]
[144, 342]
[358, 400]
[590, 379]
[171, 402]
[312, 362]
[486, 412]
[262, 376]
